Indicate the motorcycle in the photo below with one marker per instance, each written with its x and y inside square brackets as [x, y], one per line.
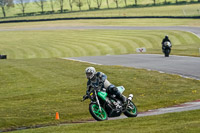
[103, 105]
[167, 48]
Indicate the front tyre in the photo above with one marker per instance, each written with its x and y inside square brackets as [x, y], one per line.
[131, 110]
[167, 51]
[95, 112]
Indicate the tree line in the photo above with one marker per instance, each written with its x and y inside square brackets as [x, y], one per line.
[22, 4]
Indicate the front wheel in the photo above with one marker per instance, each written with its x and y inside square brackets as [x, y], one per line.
[167, 51]
[131, 110]
[95, 112]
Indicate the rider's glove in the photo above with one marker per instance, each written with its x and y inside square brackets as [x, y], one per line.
[87, 92]
[85, 96]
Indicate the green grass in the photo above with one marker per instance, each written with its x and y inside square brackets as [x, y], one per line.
[169, 10]
[32, 7]
[73, 43]
[174, 123]
[33, 90]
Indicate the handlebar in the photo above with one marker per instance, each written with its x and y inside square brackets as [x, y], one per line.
[84, 98]
[96, 88]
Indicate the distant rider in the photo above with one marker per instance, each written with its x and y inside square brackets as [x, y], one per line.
[166, 39]
[100, 79]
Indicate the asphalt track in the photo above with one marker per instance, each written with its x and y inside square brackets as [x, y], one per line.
[182, 65]
[177, 108]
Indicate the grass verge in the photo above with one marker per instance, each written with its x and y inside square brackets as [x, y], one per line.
[172, 122]
[74, 43]
[32, 90]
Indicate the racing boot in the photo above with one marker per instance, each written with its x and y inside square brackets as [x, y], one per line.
[118, 94]
[122, 98]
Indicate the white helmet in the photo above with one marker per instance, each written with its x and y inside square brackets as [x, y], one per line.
[90, 72]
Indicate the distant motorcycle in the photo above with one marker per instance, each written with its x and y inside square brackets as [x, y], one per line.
[103, 105]
[167, 48]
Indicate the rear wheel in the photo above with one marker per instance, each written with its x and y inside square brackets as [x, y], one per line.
[96, 113]
[131, 110]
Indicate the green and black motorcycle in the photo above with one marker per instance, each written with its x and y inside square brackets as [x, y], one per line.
[103, 105]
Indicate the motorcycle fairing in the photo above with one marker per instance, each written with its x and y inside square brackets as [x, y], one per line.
[102, 95]
[121, 88]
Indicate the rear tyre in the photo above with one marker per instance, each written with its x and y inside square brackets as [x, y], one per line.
[131, 110]
[95, 112]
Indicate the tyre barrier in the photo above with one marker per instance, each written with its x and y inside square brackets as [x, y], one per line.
[3, 56]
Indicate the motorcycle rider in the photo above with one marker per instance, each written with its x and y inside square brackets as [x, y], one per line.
[100, 79]
[166, 39]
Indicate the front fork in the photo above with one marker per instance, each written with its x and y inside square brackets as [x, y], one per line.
[130, 97]
[97, 100]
